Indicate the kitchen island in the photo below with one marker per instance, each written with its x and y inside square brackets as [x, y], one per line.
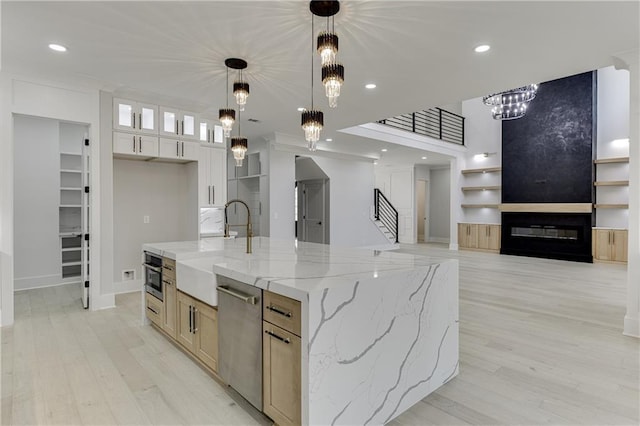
[378, 329]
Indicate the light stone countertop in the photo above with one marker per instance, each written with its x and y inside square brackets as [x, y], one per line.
[286, 267]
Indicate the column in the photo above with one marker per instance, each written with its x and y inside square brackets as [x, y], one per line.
[630, 60]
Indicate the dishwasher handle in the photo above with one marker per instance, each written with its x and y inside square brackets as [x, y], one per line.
[238, 295]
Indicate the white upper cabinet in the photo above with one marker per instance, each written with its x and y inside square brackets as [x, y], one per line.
[135, 116]
[183, 151]
[212, 174]
[178, 123]
[209, 132]
[133, 146]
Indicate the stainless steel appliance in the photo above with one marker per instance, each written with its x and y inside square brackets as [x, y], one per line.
[153, 274]
[240, 338]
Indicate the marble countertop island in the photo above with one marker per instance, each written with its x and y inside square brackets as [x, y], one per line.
[379, 329]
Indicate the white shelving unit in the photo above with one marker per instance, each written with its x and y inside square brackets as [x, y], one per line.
[248, 183]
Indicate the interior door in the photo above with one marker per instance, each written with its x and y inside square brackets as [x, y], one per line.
[421, 213]
[313, 211]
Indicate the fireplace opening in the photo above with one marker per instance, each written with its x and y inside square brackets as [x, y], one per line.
[564, 236]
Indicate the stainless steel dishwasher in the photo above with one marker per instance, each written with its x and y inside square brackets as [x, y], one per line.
[240, 338]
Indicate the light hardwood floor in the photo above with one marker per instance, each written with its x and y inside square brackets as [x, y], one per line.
[540, 343]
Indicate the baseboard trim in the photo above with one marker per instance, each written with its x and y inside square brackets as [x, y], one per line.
[631, 326]
[438, 240]
[53, 281]
[127, 286]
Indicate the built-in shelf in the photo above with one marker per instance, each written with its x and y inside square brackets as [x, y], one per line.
[482, 170]
[71, 153]
[611, 206]
[247, 177]
[71, 249]
[70, 206]
[481, 188]
[611, 183]
[612, 160]
[75, 263]
[70, 171]
[70, 189]
[480, 206]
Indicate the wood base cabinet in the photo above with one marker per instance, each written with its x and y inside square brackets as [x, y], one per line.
[479, 236]
[610, 245]
[154, 309]
[281, 359]
[170, 293]
[197, 329]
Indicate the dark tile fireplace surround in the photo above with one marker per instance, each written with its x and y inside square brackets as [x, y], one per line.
[547, 158]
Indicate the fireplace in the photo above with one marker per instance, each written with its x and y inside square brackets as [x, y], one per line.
[565, 236]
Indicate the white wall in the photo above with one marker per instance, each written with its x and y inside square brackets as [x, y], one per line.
[160, 191]
[439, 205]
[281, 194]
[483, 134]
[37, 258]
[612, 132]
[34, 97]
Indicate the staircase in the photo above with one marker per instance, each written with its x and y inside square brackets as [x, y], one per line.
[385, 216]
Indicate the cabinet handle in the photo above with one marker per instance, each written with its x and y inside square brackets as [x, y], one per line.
[182, 148]
[152, 310]
[134, 119]
[282, 339]
[260, 208]
[140, 143]
[177, 127]
[167, 282]
[190, 319]
[167, 267]
[279, 311]
[140, 121]
[613, 237]
[134, 144]
[209, 193]
[195, 329]
[182, 130]
[213, 194]
[177, 149]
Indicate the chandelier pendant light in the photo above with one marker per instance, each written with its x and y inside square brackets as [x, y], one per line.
[239, 145]
[227, 116]
[327, 47]
[312, 119]
[511, 104]
[240, 87]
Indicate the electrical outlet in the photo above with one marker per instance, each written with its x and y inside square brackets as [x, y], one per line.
[145, 219]
[128, 275]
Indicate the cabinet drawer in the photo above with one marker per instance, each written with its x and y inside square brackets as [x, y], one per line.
[282, 311]
[169, 268]
[154, 309]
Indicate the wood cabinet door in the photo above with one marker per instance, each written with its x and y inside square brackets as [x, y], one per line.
[603, 244]
[154, 309]
[472, 241]
[281, 358]
[484, 236]
[206, 333]
[494, 237]
[184, 327]
[463, 235]
[619, 245]
[170, 305]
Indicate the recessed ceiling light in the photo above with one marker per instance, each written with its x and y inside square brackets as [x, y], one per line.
[57, 47]
[300, 109]
[424, 158]
[329, 140]
[384, 149]
[370, 86]
[482, 48]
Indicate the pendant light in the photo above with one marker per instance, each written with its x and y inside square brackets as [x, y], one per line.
[312, 120]
[239, 145]
[227, 115]
[240, 87]
[327, 47]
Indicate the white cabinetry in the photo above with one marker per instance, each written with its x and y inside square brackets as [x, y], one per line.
[135, 116]
[173, 149]
[174, 122]
[209, 132]
[212, 176]
[135, 146]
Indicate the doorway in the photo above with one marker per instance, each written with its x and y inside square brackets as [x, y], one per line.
[422, 210]
[313, 211]
[51, 204]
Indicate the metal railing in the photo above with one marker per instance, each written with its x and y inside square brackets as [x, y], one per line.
[437, 123]
[385, 213]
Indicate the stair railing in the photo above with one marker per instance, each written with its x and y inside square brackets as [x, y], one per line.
[437, 123]
[385, 213]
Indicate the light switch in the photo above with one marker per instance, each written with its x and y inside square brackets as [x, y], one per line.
[145, 219]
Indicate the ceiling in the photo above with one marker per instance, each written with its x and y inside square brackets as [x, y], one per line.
[419, 53]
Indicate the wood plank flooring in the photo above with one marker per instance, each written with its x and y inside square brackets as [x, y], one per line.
[540, 343]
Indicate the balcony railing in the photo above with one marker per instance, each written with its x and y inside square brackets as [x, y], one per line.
[435, 122]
